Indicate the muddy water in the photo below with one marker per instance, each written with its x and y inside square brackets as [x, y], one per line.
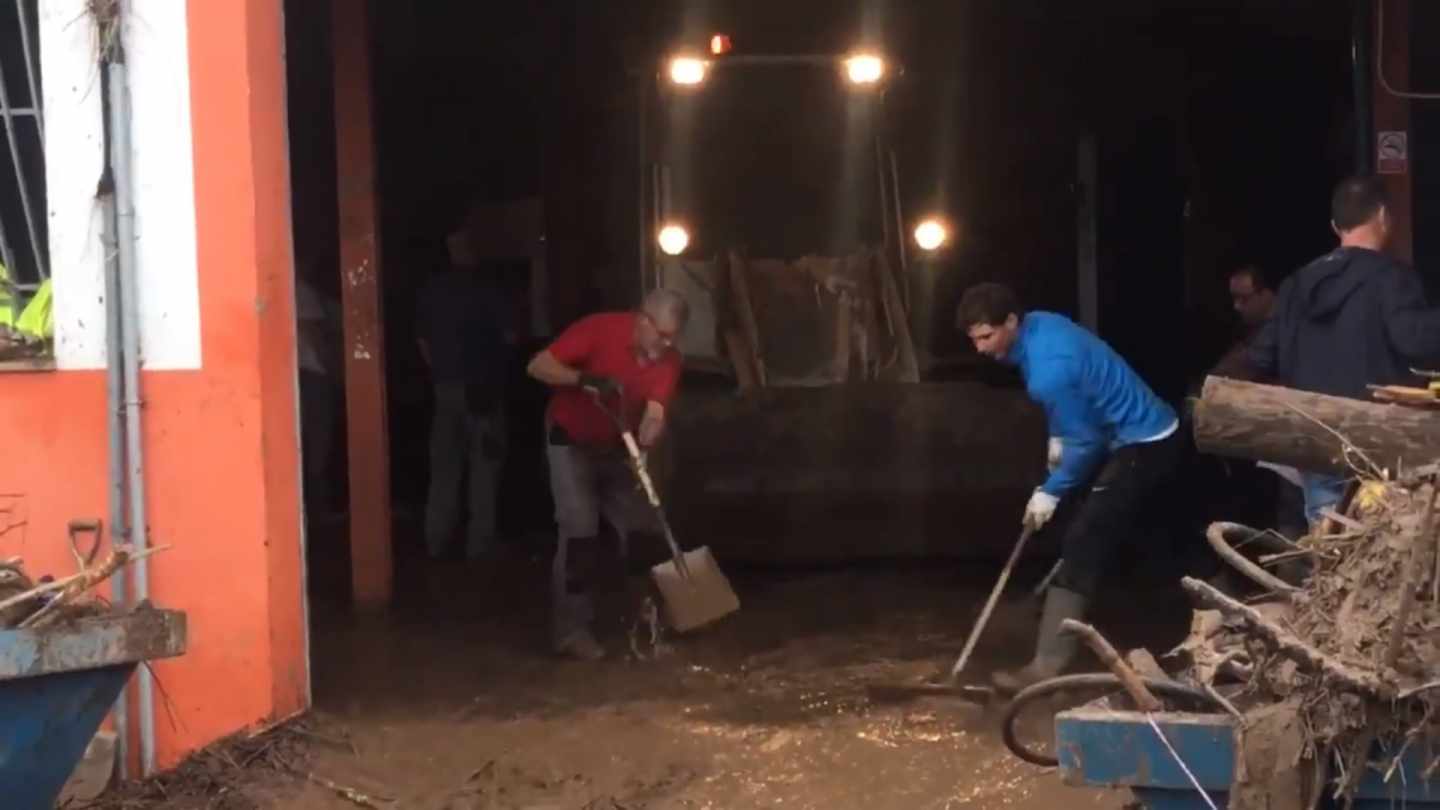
[453, 703]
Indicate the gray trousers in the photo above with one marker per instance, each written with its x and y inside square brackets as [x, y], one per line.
[587, 484]
[461, 442]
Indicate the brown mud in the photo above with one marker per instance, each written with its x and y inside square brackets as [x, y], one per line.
[452, 702]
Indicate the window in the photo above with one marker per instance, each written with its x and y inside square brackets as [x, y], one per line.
[24, 246]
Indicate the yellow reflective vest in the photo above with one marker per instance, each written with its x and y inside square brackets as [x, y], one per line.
[36, 318]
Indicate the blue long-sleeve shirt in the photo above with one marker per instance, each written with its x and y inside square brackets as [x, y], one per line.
[1094, 402]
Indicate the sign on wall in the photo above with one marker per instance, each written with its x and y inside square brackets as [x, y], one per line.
[1393, 152]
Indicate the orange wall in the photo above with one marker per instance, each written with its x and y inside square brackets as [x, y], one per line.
[222, 463]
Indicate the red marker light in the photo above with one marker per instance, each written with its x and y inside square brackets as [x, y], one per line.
[719, 44]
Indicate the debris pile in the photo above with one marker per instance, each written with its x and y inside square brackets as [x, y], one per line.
[234, 773]
[1347, 646]
[27, 604]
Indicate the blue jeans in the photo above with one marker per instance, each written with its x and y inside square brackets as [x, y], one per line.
[462, 443]
[1322, 491]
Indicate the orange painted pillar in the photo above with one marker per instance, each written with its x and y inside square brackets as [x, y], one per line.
[371, 566]
[1392, 120]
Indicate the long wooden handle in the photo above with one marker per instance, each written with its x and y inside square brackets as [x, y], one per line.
[1145, 700]
[990, 604]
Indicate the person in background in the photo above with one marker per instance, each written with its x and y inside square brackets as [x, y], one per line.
[1272, 491]
[318, 321]
[625, 363]
[463, 341]
[1352, 318]
[1108, 432]
[1254, 302]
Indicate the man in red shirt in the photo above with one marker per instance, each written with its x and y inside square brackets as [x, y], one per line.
[627, 362]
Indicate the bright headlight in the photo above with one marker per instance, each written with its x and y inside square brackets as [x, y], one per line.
[673, 239]
[864, 68]
[687, 70]
[931, 234]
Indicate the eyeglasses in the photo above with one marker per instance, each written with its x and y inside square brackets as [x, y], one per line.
[666, 337]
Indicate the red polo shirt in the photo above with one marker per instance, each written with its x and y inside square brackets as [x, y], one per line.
[604, 345]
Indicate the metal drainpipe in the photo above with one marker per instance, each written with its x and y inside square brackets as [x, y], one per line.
[120, 155]
[115, 430]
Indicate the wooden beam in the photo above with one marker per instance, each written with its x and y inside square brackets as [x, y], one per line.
[368, 440]
[1392, 121]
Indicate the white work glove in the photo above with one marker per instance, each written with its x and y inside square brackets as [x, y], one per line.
[1053, 453]
[1039, 510]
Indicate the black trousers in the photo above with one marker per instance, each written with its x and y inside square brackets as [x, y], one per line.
[1118, 495]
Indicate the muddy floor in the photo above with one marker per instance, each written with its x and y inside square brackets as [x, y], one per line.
[453, 703]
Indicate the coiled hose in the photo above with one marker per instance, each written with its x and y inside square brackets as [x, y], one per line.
[1092, 680]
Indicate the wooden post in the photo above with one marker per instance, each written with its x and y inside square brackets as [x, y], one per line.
[371, 566]
[1392, 120]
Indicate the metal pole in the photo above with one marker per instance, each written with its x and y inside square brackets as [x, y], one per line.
[115, 431]
[21, 181]
[642, 179]
[883, 187]
[900, 234]
[120, 155]
[36, 106]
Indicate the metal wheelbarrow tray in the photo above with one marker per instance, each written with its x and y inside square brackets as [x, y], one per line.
[1100, 746]
[57, 685]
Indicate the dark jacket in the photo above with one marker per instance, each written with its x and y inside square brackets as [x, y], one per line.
[459, 315]
[1349, 319]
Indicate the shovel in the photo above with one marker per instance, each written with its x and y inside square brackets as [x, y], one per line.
[949, 685]
[693, 588]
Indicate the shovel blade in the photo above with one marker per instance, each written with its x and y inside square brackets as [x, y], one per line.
[706, 597]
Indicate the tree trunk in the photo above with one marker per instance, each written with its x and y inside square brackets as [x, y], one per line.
[1305, 430]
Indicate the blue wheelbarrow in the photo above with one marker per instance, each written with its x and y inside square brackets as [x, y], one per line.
[57, 685]
[1097, 745]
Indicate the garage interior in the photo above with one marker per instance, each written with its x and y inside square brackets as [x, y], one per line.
[1181, 141]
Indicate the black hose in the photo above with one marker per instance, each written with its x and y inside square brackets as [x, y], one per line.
[1090, 680]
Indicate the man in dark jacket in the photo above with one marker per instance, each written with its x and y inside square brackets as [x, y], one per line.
[460, 325]
[1352, 318]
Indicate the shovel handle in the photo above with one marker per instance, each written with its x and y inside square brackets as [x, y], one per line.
[637, 463]
[990, 604]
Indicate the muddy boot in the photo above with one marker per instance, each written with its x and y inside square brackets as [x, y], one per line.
[1053, 649]
[572, 577]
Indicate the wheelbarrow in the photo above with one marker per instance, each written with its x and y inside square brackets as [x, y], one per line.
[56, 686]
[1101, 746]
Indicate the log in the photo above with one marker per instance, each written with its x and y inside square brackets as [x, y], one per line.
[1305, 430]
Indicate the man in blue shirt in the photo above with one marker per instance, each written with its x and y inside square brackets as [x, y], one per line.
[1108, 431]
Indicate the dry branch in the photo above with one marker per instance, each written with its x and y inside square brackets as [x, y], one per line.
[76, 584]
[1287, 644]
[350, 794]
[1409, 583]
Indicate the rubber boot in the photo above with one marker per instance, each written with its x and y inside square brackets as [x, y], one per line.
[1053, 649]
[572, 575]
